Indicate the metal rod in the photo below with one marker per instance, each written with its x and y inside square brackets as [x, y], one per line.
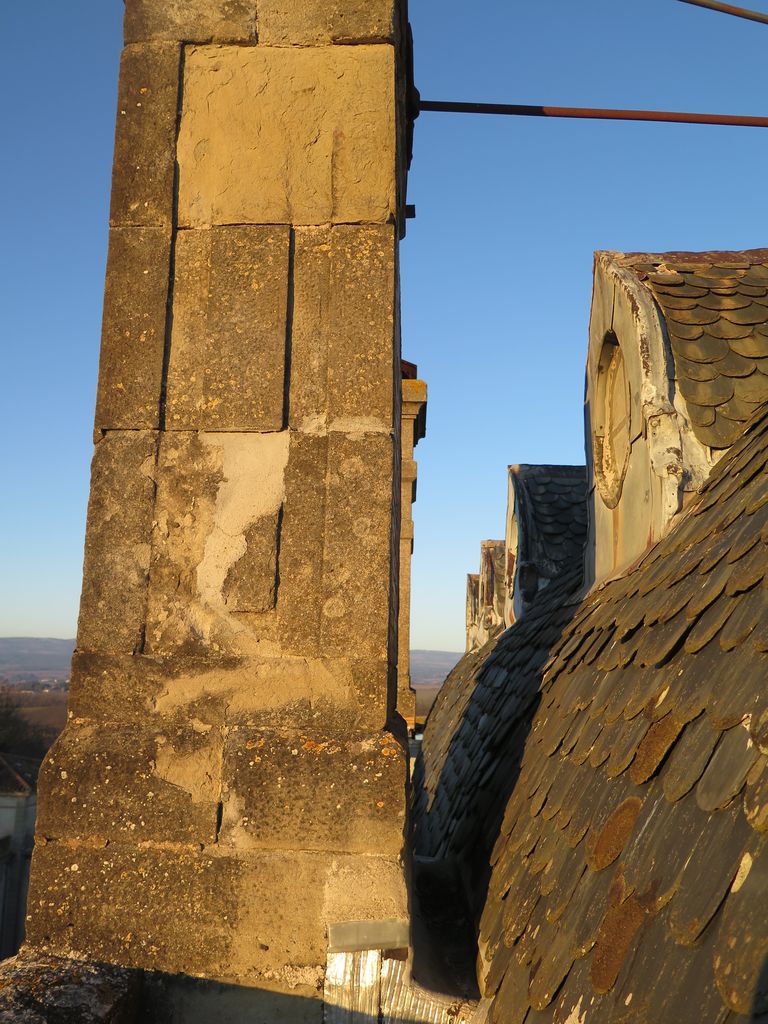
[737, 12]
[522, 110]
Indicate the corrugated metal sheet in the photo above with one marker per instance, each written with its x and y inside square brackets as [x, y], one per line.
[353, 987]
[364, 987]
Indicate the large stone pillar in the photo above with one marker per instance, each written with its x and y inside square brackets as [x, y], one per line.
[414, 425]
[231, 782]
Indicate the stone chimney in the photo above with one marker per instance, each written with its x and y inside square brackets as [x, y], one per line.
[414, 426]
[229, 794]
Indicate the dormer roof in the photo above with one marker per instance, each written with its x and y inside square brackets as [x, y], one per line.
[552, 515]
[715, 309]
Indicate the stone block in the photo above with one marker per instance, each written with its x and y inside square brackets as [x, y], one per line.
[133, 329]
[343, 341]
[312, 326]
[191, 21]
[300, 597]
[169, 693]
[145, 136]
[213, 491]
[287, 687]
[113, 687]
[172, 910]
[359, 586]
[258, 919]
[198, 1001]
[137, 689]
[362, 357]
[371, 685]
[185, 404]
[314, 127]
[281, 931]
[286, 23]
[251, 582]
[228, 344]
[277, 890]
[126, 783]
[319, 785]
[189, 476]
[365, 889]
[117, 551]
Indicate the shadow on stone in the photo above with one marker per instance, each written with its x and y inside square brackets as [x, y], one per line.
[38, 989]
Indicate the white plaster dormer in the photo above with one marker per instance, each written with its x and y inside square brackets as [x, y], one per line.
[490, 602]
[642, 454]
[472, 610]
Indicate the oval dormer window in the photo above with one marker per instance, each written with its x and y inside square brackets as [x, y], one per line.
[611, 427]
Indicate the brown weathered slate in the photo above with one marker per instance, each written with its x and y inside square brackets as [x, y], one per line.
[705, 878]
[689, 758]
[741, 946]
[653, 748]
[625, 748]
[756, 796]
[715, 317]
[727, 770]
[664, 837]
[512, 1003]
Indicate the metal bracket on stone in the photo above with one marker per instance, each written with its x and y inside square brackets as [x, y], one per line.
[356, 936]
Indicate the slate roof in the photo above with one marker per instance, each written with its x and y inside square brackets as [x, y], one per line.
[715, 305]
[552, 514]
[468, 753]
[475, 733]
[18, 775]
[630, 875]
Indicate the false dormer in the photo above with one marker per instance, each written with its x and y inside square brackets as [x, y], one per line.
[545, 531]
[490, 596]
[678, 354]
[472, 610]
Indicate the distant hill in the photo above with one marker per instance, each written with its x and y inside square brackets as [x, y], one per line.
[428, 672]
[45, 657]
[22, 657]
[431, 666]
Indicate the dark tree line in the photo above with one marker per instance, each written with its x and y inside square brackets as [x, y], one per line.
[19, 736]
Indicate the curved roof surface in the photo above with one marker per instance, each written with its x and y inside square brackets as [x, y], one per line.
[472, 741]
[630, 874]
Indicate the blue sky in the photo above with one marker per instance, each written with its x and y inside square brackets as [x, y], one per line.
[496, 267]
